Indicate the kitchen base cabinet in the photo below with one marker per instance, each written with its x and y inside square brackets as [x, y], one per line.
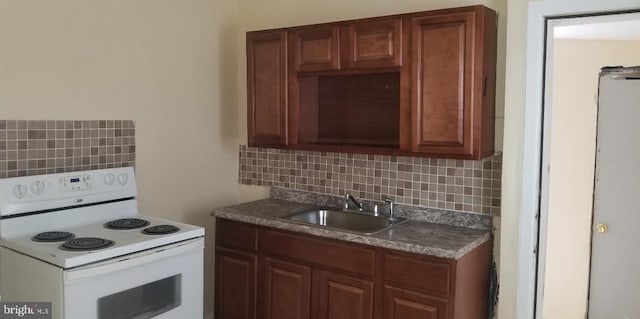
[235, 284]
[301, 276]
[287, 290]
[405, 304]
[315, 278]
[343, 297]
[236, 270]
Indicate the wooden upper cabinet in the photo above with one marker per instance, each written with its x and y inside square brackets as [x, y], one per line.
[374, 44]
[317, 48]
[453, 83]
[434, 93]
[267, 88]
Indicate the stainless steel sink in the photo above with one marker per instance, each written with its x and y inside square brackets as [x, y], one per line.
[354, 222]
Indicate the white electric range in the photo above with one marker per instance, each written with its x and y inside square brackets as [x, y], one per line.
[78, 241]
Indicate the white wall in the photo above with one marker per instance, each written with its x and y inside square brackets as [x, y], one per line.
[524, 52]
[576, 67]
[512, 158]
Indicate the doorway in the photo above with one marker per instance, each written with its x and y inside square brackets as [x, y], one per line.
[577, 48]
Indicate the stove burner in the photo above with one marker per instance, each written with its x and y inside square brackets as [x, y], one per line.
[160, 230]
[52, 236]
[86, 243]
[126, 223]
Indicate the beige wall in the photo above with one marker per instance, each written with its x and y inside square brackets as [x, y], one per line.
[175, 67]
[576, 65]
[169, 65]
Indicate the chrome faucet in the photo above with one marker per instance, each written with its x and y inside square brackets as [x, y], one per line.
[391, 208]
[348, 198]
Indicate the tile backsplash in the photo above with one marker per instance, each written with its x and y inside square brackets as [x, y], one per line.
[42, 147]
[458, 185]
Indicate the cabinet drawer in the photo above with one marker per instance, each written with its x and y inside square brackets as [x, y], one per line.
[330, 254]
[236, 235]
[425, 275]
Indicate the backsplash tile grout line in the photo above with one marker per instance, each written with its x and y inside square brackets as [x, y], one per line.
[457, 185]
[33, 147]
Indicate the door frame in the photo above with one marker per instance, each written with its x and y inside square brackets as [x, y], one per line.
[532, 190]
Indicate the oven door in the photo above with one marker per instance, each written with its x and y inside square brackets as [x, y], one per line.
[162, 283]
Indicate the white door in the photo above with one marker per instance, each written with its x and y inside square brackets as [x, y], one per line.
[614, 291]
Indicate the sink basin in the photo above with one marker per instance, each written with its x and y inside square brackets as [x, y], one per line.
[354, 222]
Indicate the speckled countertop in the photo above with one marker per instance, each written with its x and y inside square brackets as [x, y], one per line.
[420, 237]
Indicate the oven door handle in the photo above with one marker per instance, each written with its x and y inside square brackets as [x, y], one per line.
[133, 260]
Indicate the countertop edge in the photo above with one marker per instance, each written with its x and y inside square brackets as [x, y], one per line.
[353, 237]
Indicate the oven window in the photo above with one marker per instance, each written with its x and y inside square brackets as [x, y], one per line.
[142, 302]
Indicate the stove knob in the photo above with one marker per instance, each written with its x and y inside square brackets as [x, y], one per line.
[123, 178]
[19, 191]
[37, 187]
[109, 179]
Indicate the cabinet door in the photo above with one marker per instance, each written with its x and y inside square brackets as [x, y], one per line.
[374, 44]
[344, 297]
[287, 290]
[235, 284]
[267, 88]
[441, 74]
[317, 48]
[406, 304]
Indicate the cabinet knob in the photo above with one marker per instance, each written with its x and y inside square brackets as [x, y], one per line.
[602, 228]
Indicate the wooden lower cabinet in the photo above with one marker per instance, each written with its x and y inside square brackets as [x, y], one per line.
[343, 297]
[235, 284]
[405, 304]
[288, 275]
[287, 290]
[294, 291]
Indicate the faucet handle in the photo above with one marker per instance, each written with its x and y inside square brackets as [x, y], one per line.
[391, 208]
[348, 197]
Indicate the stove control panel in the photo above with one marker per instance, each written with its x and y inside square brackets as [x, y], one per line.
[42, 192]
[75, 183]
